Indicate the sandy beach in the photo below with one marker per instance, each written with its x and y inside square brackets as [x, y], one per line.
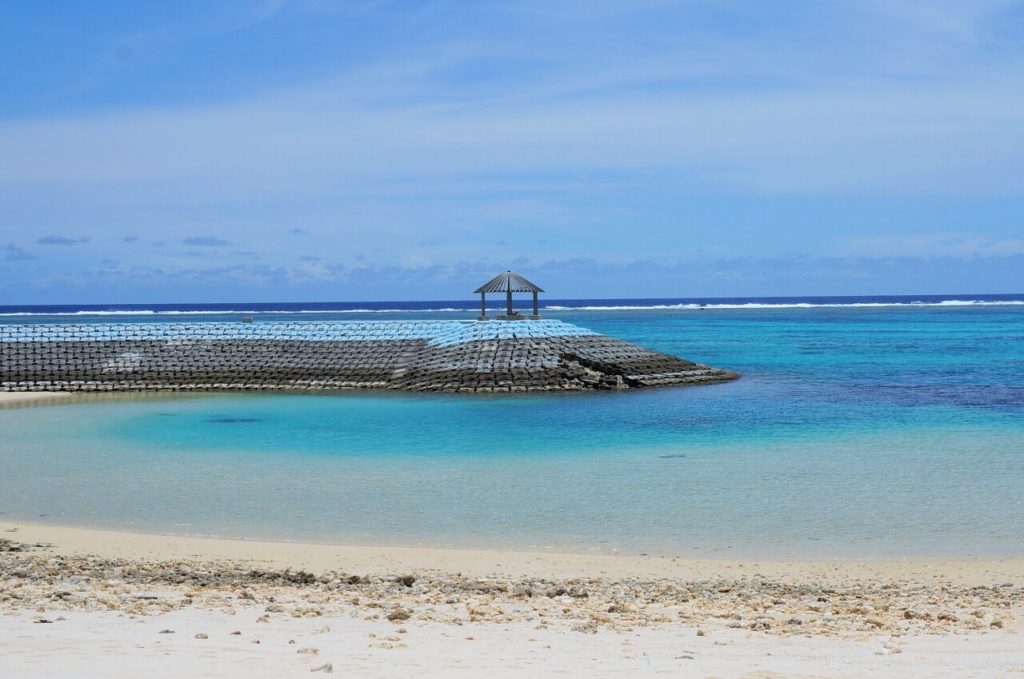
[11, 399]
[81, 602]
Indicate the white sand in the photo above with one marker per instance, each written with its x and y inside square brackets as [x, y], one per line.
[105, 645]
[359, 642]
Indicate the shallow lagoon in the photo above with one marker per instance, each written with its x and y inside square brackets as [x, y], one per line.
[884, 431]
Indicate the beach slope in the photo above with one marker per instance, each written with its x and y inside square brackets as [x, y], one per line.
[81, 602]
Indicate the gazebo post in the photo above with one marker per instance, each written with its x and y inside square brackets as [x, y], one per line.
[508, 300]
[536, 309]
[483, 306]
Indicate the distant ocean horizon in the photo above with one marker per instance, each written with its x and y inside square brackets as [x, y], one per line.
[8, 311]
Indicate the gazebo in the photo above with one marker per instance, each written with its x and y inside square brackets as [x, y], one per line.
[508, 283]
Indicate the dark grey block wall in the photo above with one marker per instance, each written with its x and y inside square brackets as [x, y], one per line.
[501, 364]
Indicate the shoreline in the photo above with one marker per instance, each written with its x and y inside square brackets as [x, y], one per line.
[70, 542]
[25, 398]
[77, 540]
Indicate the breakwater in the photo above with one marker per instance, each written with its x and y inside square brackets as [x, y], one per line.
[450, 356]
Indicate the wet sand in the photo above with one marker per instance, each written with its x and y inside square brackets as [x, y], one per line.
[26, 398]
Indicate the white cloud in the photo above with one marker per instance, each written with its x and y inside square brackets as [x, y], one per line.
[758, 115]
[947, 244]
[875, 137]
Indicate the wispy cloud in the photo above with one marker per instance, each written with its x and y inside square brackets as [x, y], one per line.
[61, 240]
[205, 241]
[881, 137]
[948, 244]
[575, 278]
[261, 11]
[14, 253]
[731, 113]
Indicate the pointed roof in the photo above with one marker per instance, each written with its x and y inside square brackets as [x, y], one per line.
[507, 281]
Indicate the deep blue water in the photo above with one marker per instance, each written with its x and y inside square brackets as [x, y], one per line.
[465, 308]
[860, 428]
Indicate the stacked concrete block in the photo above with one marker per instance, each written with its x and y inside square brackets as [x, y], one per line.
[449, 356]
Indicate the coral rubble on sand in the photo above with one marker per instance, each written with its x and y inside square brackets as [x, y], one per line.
[36, 578]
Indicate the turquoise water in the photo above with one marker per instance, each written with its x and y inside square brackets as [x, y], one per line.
[879, 431]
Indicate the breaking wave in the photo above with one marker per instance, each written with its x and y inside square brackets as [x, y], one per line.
[450, 307]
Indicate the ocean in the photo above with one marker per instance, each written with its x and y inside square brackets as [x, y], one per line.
[870, 427]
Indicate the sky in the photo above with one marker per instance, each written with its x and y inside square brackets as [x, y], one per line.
[363, 150]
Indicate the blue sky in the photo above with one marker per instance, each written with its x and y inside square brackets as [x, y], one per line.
[350, 150]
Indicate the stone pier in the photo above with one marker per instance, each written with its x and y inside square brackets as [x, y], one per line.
[449, 356]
